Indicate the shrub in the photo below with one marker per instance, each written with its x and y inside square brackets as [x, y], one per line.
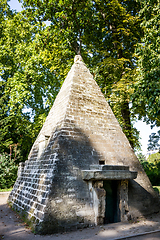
[152, 168]
[8, 171]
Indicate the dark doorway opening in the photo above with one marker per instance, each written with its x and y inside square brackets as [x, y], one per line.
[112, 212]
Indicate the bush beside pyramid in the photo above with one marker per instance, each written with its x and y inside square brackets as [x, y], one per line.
[80, 131]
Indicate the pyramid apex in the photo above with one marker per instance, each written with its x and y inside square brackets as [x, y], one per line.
[78, 58]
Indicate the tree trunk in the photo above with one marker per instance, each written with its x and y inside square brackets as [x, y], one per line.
[125, 111]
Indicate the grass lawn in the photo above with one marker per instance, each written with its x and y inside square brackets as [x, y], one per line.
[157, 189]
[6, 190]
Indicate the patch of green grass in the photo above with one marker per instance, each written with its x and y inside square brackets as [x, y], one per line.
[6, 190]
[157, 189]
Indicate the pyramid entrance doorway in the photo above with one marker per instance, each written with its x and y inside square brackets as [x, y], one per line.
[112, 211]
[108, 186]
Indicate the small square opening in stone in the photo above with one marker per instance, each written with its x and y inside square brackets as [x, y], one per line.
[101, 162]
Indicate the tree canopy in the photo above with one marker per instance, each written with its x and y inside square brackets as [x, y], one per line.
[146, 97]
[28, 85]
[154, 141]
[105, 33]
[152, 168]
[35, 58]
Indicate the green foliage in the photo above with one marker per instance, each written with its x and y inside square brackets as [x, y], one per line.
[30, 77]
[6, 190]
[141, 157]
[105, 34]
[152, 168]
[120, 31]
[8, 171]
[146, 97]
[154, 141]
[35, 59]
[154, 157]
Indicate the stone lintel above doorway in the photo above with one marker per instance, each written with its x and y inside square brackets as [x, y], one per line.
[108, 172]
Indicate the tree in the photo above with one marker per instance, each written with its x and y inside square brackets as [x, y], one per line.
[146, 97]
[141, 157]
[14, 123]
[121, 31]
[153, 142]
[8, 171]
[105, 34]
[30, 80]
[152, 168]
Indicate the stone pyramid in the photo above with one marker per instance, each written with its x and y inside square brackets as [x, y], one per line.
[80, 148]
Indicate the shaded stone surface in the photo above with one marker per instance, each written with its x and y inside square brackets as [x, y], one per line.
[80, 130]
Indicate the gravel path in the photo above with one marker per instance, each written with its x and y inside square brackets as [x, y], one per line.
[13, 228]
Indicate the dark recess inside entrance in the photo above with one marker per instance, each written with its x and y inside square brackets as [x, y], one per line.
[112, 212]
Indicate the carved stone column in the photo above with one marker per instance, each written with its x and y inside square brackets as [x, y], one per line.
[99, 196]
[123, 205]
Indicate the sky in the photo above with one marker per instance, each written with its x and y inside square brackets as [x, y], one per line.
[15, 5]
[144, 129]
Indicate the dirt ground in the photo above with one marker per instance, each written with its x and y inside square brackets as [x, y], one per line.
[13, 228]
